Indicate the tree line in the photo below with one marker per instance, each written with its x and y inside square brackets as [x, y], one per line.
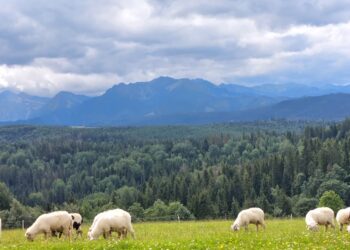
[164, 172]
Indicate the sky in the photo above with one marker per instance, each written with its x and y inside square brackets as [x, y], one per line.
[87, 46]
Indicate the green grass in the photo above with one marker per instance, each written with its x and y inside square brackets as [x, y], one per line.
[279, 234]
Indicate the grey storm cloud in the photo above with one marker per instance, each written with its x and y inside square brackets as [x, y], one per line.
[87, 46]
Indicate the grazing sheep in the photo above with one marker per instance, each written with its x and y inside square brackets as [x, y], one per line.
[319, 216]
[60, 221]
[77, 220]
[343, 217]
[249, 216]
[105, 223]
[121, 233]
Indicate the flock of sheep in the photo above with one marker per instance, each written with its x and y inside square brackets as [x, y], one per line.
[118, 220]
[62, 222]
[323, 216]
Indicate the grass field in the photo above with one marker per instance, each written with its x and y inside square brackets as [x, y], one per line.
[279, 234]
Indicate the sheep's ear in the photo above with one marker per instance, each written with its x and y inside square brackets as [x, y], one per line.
[72, 217]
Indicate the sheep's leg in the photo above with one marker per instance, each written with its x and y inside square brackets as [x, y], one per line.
[107, 234]
[47, 235]
[124, 233]
[257, 227]
[326, 226]
[67, 233]
[246, 227]
[75, 235]
[341, 227]
[79, 233]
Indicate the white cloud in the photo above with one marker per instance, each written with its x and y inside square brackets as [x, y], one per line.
[86, 46]
[44, 81]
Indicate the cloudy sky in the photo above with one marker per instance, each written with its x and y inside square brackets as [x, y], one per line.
[86, 46]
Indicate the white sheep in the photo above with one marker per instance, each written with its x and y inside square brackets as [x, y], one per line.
[97, 217]
[59, 221]
[121, 233]
[249, 216]
[116, 220]
[343, 217]
[319, 216]
[77, 220]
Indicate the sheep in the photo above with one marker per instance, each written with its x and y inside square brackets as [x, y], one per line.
[343, 217]
[77, 220]
[121, 233]
[249, 216]
[60, 221]
[116, 220]
[319, 216]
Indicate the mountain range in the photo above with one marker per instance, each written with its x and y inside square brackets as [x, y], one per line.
[166, 100]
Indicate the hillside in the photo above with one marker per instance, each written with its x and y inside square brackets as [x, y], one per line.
[213, 170]
[327, 107]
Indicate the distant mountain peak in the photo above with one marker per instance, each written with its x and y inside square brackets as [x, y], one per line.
[163, 78]
[64, 93]
[168, 100]
[7, 93]
[67, 94]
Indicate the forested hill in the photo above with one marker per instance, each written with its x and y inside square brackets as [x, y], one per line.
[213, 171]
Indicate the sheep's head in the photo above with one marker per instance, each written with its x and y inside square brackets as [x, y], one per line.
[235, 227]
[76, 225]
[312, 227]
[29, 236]
[91, 237]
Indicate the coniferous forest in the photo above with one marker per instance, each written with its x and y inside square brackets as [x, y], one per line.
[159, 173]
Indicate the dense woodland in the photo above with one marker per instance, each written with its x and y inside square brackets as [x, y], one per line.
[164, 172]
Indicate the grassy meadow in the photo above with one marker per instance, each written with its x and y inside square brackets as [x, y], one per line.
[279, 234]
